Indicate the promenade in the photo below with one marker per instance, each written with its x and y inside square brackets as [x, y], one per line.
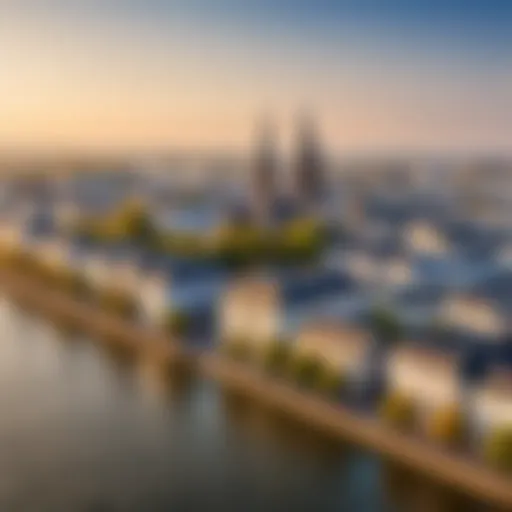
[450, 469]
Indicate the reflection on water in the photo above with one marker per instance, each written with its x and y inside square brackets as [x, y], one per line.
[82, 428]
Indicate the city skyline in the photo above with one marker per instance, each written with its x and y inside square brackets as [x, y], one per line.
[379, 76]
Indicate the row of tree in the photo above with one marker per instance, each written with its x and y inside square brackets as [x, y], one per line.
[447, 426]
[234, 243]
[280, 360]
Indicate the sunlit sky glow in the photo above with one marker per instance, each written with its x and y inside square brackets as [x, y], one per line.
[379, 74]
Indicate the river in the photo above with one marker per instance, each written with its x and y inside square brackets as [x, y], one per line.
[85, 430]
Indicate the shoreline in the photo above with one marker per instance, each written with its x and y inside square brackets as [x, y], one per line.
[461, 473]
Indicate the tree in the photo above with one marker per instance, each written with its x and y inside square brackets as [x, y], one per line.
[238, 245]
[498, 449]
[277, 357]
[301, 240]
[330, 382]
[133, 220]
[446, 426]
[307, 371]
[386, 330]
[398, 411]
[178, 323]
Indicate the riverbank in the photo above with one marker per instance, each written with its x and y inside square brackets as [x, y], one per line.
[455, 471]
[103, 326]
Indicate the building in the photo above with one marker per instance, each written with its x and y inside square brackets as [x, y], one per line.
[396, 272]
[492, 402]
[426, 376]
[342, 348]
[422, 238]
[268, 307]
[152, 298]
[473, 315]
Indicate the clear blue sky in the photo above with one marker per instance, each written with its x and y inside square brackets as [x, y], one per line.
[379, 73]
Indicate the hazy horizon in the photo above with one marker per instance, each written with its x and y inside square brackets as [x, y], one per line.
[380, 76]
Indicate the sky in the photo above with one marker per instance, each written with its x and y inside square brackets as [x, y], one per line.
[386, 75]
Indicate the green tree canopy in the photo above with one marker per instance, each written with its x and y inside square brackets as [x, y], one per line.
[277, 356]
[498, 449]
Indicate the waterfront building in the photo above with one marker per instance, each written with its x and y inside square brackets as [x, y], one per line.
[492, 402]
[427, 376]
[268, 307]
[152, 298]
[181, 287]
[342, 348]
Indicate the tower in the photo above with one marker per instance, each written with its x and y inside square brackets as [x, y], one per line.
[264, 173]
[308, 176]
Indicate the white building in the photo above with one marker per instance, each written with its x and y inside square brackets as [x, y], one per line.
[492, 402]
[344, 349]
[430, 378]
[473, 315]
[423, 238]
[395, 273]
[152, 297]
[249, 310]
[261, 309]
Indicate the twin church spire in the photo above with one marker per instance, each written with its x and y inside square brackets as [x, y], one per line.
[307, 172]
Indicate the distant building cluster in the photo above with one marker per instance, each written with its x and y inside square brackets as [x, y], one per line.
[410, 296]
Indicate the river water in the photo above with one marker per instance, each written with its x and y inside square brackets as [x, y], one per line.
[85, 430]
